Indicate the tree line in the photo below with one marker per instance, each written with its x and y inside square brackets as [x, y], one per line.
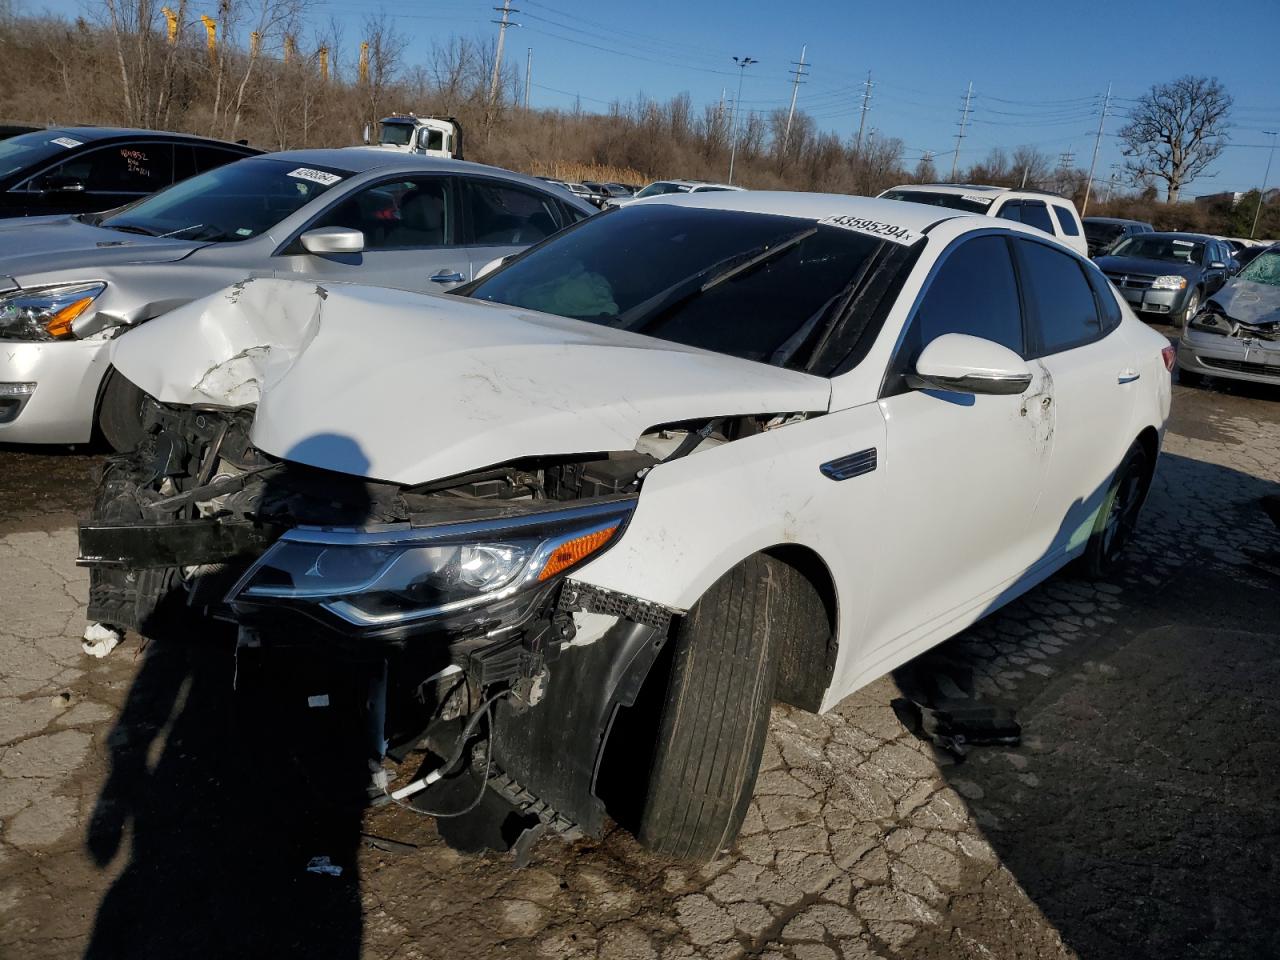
[261, 70]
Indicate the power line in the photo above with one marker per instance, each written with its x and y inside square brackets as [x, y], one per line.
[798, 73]
[506, 11]
[866, 105]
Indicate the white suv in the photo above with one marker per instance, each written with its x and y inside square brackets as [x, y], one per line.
[1049, 212]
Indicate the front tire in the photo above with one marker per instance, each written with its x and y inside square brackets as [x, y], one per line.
[1190, 309]
[716, 711]
[120, 413]
[1118, 515]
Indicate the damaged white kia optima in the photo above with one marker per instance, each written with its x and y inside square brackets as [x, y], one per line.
[570, 532]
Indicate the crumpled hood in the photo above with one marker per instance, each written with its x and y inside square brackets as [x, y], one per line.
[38, 245]
[1249, 302]
[409, 387]
[1158, 268]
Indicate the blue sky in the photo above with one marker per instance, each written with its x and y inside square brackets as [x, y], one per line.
[1039, 69]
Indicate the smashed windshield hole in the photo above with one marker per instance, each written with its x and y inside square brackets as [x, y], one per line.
[750, 285]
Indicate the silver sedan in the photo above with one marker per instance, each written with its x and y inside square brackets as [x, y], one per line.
[1236, 334]
[68, 285]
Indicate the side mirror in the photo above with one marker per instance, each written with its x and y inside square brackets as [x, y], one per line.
[328, 240]
[959, 363]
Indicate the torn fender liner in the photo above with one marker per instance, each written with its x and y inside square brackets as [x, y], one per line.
[553, 750]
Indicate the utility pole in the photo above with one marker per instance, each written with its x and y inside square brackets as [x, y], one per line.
[1111, 181]
[743, 63]
[1066, 159]
[964, 122]
[1262, 194]
[528, 74]
[1097, 142]
[866, 105]
[505, 22]
[798, 72]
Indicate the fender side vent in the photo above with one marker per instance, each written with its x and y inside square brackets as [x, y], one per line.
[853, 465]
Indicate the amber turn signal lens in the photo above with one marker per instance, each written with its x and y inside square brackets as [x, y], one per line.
[60, 324]
[572, 551]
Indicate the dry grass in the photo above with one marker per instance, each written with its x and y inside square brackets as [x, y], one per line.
[599, 172]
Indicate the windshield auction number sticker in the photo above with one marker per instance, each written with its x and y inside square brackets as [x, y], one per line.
[972, 198]
[315, 176]
[66, 142]
[873, 228]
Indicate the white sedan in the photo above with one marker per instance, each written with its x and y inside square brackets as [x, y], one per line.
[637, 483]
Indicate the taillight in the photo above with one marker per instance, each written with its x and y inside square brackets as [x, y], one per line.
[1169, 354]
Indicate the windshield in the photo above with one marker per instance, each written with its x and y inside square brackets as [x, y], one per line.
[18, 153]
[396, 134]
[1103, 233]
[234, 202]
[952, 201]
[661, 187]
[1155, 247]
[745, 284]
[1264, 268]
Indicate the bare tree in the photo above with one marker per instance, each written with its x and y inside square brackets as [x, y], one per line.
[1175, 131]
[147, 61]
[1031, 167]
[386, 49]
[926, 172]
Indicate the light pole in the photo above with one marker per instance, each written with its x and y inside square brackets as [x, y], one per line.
[1262, 194]
[743, 63]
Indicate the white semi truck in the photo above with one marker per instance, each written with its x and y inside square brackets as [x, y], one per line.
[428, 136]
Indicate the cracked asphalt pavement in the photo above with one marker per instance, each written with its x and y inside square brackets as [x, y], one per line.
[143, 813]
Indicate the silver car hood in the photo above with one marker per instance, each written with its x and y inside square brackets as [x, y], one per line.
[410, 387]
[1249, 302]
[39, 245]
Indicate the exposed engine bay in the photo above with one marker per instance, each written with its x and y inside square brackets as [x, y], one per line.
[445, 613]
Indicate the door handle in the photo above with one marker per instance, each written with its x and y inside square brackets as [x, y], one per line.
[443, 277]
[1128, 376]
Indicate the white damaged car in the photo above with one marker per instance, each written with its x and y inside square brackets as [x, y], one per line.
[596, 512]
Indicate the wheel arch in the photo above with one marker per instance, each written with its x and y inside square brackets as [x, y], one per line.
[808, 656]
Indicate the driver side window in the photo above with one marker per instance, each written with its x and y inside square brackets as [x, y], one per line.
[974, 292]
[402, 215]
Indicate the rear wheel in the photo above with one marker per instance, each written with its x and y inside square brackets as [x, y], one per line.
[1189, 378]
[1118, 515]
[716, 711]
[120, 413]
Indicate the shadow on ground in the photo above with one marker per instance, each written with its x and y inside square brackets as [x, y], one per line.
[1142, 812]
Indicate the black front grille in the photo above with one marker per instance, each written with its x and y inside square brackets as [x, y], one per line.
[1241, 366]
[1131, 281]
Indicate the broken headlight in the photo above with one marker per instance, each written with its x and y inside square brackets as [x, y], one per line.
[45, 313]
[383, 578]
[1209, 320]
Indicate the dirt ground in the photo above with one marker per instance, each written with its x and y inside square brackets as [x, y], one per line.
[148, 809]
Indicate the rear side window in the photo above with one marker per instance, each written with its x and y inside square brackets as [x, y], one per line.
[506, 215]
[1066, 221]
[1035, 214]
[974, 292]
[126, 168]
[1108, 307]
[1012, 210]
[1063, 310]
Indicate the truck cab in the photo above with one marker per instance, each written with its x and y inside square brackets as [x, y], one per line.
[428, 136]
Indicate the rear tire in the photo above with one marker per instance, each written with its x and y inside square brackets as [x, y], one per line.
[716, 711]
[1118, 515]
[1189, 378]
[120, 413]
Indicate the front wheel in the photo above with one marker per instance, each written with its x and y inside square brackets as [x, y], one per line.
[716, 711]
[1118, 515]
[1190, 309]
[120, 413]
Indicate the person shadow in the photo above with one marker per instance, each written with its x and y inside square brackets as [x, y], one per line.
[232, 771]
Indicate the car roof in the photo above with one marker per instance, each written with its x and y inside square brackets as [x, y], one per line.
[91, 134]
[1113, 220]
[695, 183]
[1180, 235]
[976, 188]
[817, 206]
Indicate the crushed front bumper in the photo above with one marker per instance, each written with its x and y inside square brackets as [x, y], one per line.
[1251, 359]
